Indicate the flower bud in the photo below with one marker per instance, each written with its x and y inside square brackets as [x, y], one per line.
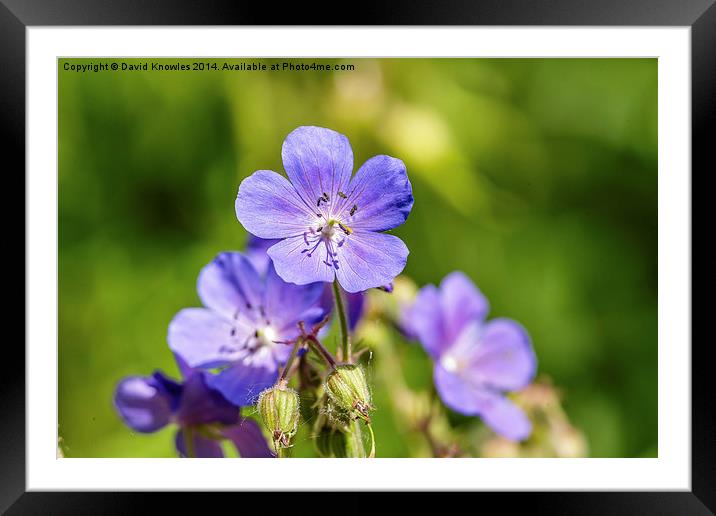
[347, 389]
[279, 410]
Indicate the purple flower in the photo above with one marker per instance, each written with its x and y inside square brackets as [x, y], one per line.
[476, 361]
[149, 403]
[328, 223]
[241, 330]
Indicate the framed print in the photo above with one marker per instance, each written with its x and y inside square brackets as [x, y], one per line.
[444, 257]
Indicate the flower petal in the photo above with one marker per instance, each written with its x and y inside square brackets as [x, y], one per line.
[242, 383]
[368, 260]
[256, 252]
[463, 396]
[423, 320]
[317, 161]
[200, 404]
[184, 369]
[203, 339]
[497, 355]
[380, 196]
[169, 387]
[268, 206]
[462, 302]
[504, 358]
[203, 448]
[354, 306]
[458, 393]
[286, 303]
[296, 266]
[142, 404]
[249, 440]
[506, 419]
[230, 284]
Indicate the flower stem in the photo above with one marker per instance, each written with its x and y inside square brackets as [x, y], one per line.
[321, 350]
[343, 321]
[355, 447]
[286, 368]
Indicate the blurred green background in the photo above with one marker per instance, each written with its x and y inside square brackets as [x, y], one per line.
[537, 177]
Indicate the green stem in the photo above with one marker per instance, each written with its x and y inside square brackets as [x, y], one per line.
[296, 346]
[355, 447]
[343, 321]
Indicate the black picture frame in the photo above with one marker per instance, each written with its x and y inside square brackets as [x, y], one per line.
[17, 15]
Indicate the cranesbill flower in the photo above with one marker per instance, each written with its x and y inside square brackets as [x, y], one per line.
[243, 328]
[204, 416]
[329, 224]
[475, 361]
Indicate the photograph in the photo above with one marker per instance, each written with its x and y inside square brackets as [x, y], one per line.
[357, 257]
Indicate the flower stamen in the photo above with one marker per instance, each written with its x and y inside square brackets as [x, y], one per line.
[325, 233]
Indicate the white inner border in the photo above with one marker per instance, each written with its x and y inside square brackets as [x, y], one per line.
[671, 470]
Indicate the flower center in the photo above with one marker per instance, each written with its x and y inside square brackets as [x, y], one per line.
[330, 232]
[450, 363]
[332, 228]
[265, 336]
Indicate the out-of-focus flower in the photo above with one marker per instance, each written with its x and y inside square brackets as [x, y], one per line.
[553, 434]
[330, 225]
[149, 403]
[476, 361]
[244, 327]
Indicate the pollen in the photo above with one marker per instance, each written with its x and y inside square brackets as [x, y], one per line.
[346, 229]
[328, 230]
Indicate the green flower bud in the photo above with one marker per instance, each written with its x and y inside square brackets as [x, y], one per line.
[348, 390]
[279, 410]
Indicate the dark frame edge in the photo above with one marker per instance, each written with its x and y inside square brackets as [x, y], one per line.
[398, 12]
[703, 127]
[552, 503]
[702, 499]
[12, 133]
